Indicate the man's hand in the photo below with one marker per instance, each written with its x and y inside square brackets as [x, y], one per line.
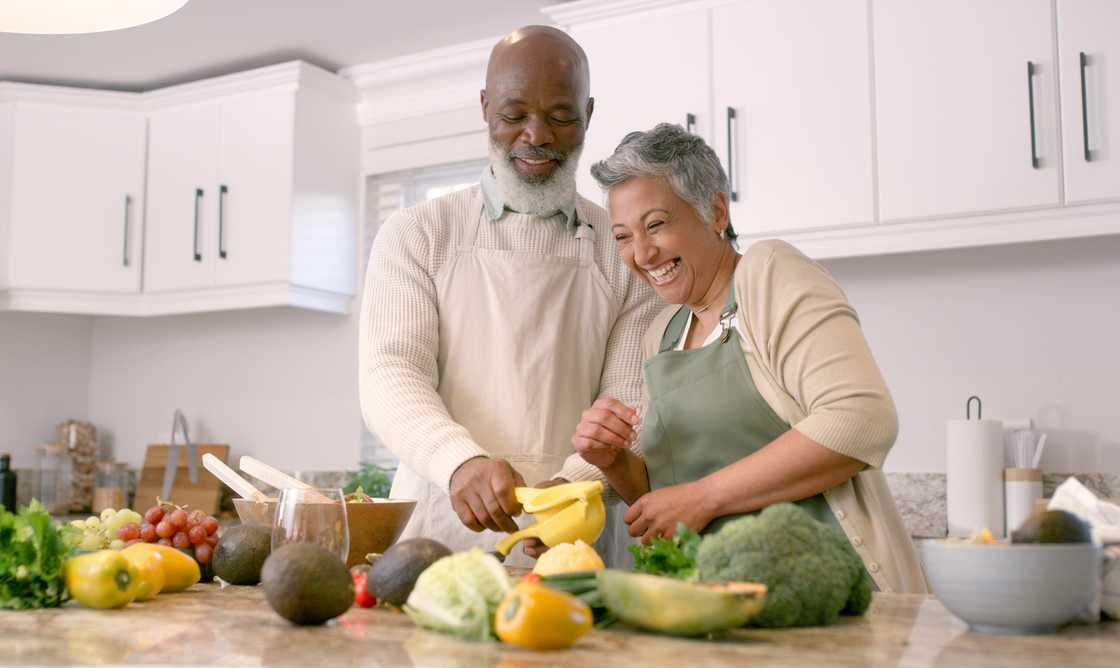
[533, 546]
[482, 494]
[657, 513]
[604, 429]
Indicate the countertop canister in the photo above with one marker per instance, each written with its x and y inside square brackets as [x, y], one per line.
[974, 474]
[1022, 488]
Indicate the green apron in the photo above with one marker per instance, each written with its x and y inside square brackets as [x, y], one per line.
[704, 411]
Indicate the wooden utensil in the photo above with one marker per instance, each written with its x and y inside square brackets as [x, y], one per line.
[243, 487]
[277, 478]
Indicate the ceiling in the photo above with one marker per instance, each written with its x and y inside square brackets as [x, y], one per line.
[214, 37]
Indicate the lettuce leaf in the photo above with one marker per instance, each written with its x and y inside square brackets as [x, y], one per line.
[31, 558]
[459, 594]
[674, 557]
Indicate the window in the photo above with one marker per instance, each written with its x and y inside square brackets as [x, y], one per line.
[385, 194]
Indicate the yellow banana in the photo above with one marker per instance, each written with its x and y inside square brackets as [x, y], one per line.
[564, 514]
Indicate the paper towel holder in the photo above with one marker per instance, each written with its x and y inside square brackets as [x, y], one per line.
[968, 408]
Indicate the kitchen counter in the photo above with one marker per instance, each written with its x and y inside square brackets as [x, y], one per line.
[234, 626]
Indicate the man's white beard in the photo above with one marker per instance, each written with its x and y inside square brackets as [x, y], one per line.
[535, 199]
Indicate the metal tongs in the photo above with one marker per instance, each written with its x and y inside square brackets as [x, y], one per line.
[172, 465]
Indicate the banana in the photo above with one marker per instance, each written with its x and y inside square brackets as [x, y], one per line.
[564, 514]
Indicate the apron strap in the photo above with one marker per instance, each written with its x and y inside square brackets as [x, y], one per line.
[674, 330]
[586, 237]
[470, 234]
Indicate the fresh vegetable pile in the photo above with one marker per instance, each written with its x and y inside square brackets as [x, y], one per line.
[32, 555]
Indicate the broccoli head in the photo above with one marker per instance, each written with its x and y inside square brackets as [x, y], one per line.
[811, 572]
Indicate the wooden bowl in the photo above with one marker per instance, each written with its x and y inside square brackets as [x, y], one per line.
[374, 526]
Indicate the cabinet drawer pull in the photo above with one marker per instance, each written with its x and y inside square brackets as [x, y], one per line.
[222, 221]
[1084, 110]
[197, 206]
[690, 123]
[127, 212]
[1030, 103]
[732, 123]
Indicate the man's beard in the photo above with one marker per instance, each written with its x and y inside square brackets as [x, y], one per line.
[535, 195]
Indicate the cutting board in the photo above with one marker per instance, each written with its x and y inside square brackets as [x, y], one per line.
[204, 495]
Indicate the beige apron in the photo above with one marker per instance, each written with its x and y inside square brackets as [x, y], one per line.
[522, 340]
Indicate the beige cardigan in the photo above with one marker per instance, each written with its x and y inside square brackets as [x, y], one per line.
[810, 362]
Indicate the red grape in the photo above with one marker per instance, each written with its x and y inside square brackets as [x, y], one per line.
[164, 541]
[133, 542]
[178, 518]
[153, 515]
[180, 540]
[165, 529]
[212, 539]
[203, 553]
[148, 533]
[197, 534]
[210, 524]
[128, 532]
[195, 517]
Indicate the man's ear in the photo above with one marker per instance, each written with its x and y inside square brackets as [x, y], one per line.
[482, 101]
[590, 110]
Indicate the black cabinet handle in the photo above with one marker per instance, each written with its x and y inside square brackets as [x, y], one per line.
[1084, 110]
[1030, 102]
[731, 123]
[127, 211]
[690, 123]
[222, 221]
[197, 206]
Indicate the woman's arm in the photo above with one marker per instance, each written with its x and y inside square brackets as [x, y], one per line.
[627, 475]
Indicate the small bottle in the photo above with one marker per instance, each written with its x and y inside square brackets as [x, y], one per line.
[7, 484]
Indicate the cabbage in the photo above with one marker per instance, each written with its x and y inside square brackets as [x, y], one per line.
[458, 594]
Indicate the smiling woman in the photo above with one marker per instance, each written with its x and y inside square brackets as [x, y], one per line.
[59, 17]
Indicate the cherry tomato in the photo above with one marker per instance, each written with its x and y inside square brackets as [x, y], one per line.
[362, 597]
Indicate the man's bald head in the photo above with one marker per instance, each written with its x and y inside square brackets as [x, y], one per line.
[540, 46]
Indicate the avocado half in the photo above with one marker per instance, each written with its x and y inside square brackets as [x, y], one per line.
[667, 605]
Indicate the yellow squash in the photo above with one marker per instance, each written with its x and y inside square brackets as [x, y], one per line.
[179, 570]
[149, 569]
[102, 579]
[564, 514]
[537, 617]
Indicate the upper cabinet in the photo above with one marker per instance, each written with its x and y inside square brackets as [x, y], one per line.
[793, 102]
[966, 106]
[1089, 54]
[72, 178]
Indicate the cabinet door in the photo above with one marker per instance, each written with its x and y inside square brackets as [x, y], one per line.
[645, 70]
[77, 199]
[183, 198]
[793, 88]
[955, 82]
[1089, 53]
[254, 186]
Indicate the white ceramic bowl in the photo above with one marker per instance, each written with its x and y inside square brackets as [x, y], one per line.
[1013, 589]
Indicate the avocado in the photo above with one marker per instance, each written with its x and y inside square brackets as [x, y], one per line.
[240, 553]
[1052, 526]
[307, 584]
[676, 607]
[393, 575]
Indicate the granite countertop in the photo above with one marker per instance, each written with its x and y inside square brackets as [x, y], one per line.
[208, 625]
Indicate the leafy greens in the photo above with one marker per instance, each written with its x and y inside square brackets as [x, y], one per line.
[31, 557]
[675, 557]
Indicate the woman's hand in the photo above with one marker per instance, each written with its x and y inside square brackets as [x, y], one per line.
[606, 428]
[658, 513]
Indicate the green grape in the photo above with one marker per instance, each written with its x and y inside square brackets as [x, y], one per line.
[92, 523]
[116, 521]
[117, 544]
[91, 542]
[107, 514]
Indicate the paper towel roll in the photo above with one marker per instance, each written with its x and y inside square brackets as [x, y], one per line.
[974, 477]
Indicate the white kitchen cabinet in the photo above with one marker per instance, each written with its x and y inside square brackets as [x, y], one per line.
[792, 86]
[1089, 54]
[71, 219]
[646, 69]
[966, 110]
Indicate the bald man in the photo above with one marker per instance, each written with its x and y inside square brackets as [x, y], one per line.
[491, 317]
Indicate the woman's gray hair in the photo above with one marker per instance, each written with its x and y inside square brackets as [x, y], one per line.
[684, 160]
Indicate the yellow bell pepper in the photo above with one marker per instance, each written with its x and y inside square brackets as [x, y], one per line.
[149, 568]
[103, 579]
[179, 570]
[537, 617]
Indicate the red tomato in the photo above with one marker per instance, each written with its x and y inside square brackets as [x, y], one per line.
[362, 597]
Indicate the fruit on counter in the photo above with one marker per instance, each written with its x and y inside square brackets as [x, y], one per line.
[362, 597]
[179, 570]
[240, 554]
[564, 513]
[307, 584]
[1053, 526]
[669, 605]
[811, 571]
[569, 558]
[32, 557]
[168, 524]
[394, 573]
[111, 528]
[149, 572]
[459, 595]
[537, 617]
[102, 579]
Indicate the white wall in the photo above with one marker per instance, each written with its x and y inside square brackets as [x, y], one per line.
[44, 379]
[1033, 329]
[279, 384]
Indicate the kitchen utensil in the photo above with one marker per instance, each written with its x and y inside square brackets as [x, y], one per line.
[1013, 589]
[178, 421]
[974, 473]
[564, 514]
[301, 517]
[1021, 488]
[274, 476]
[221, 471]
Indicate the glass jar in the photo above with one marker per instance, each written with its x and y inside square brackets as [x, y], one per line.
[53, 477]
[111, 487]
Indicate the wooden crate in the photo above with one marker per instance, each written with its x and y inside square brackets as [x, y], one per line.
[205, 495]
